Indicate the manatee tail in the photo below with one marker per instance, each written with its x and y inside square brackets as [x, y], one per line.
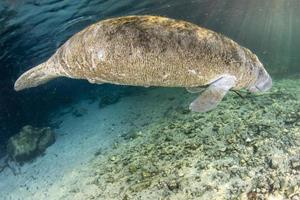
[34, 77]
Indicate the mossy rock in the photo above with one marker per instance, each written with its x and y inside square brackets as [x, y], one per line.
[29, 143]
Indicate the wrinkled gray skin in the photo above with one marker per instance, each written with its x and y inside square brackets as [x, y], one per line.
[155, 51]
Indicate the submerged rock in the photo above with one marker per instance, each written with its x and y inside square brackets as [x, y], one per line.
[29, 143]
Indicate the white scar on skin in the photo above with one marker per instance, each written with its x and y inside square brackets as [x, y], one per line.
[101, 55]
[192, 71]
[166, 76]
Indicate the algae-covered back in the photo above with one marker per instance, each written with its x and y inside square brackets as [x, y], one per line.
[149, 50]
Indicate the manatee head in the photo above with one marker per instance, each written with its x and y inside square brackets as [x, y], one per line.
[262, 80]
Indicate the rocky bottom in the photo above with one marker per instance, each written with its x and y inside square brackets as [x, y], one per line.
[248, 148]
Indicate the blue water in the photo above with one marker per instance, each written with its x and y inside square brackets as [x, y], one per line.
[31, 31]
[249, 144]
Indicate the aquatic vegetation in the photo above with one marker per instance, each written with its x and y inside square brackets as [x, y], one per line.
[29, 143]
[249, 148]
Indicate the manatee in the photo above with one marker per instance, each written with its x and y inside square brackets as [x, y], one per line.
[155, 51]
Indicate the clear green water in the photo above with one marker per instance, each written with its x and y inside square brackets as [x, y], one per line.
[31, 31]
[248, 148]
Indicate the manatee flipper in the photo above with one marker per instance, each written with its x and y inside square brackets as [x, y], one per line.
[35, 76]
[195, 89]
[213, 95]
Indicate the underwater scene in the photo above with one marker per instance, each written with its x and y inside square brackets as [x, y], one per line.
[149, 100]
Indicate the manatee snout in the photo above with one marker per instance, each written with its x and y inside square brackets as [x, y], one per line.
[263, 82]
